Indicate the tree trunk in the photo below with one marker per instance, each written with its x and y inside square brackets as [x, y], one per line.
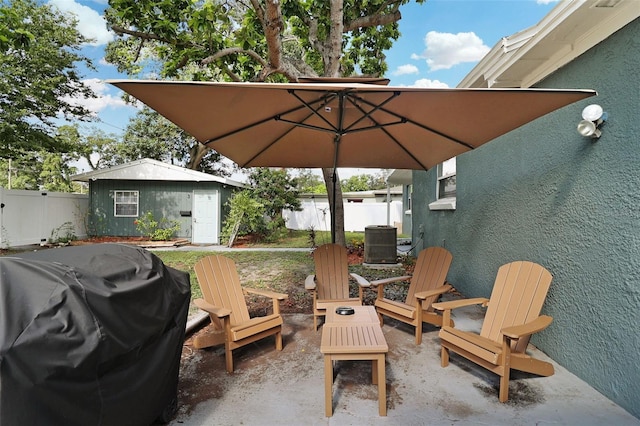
[336, 206]
[196, 153]
[331, 57]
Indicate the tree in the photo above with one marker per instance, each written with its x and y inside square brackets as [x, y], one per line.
[271, 191]
[38, 80]
[56, 174]
[256, 41]
[364, 182]
[275, 189]
[309, 182]
[356, 183]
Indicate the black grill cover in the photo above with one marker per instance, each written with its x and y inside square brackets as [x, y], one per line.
[90, 335]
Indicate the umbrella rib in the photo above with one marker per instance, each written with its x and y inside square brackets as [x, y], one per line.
[264, 120]
[353, 99]
[408, 120]
[307, 126]
[314, 111]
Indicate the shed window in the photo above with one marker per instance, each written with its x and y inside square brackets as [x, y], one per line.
[125, 204]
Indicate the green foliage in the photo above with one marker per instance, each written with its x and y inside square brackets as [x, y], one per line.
[258, 209]
[309, 182]
[212, 40]
[355, 183]
[363, 183]
[37, 79]
[12, 35]
[246, 216]
[156, 230]
[275, 189]
[63, 234]
[56, 174]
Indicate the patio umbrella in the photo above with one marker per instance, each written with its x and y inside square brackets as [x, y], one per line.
[341, 123]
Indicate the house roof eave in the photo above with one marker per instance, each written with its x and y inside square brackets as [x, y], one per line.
[567, 31]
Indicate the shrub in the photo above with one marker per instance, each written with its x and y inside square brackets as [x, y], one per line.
[161, 230]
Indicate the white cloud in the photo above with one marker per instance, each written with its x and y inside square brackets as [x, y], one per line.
[90, 23]
[546, 1]
[104, 99]
[406, 69]
[425, 82]
[445, 50]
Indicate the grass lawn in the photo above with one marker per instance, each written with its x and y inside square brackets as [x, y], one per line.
[285, 271]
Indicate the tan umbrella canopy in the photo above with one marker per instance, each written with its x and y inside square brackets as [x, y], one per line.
[343, 123]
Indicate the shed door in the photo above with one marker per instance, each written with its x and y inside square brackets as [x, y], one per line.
[206, 209]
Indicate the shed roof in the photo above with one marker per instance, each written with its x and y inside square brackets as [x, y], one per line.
[148, 169]
[567, 31]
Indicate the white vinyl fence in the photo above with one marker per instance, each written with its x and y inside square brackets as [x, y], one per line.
[35, 217]
[357, 216]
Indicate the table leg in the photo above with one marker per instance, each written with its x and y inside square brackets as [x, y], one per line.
[374, 371]
[382, 385]
[328, 386]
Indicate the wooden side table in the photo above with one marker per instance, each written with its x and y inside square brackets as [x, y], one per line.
[346, 339]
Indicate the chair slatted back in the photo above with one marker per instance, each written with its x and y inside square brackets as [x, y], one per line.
[332, 272]
[432, 267]
[220, 285]
[518, 294]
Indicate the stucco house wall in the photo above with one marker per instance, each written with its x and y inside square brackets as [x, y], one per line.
[546, 194]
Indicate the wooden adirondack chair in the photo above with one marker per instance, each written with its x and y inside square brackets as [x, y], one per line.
[224, 300]
[513, 315]
[330, 284]
[428, 282]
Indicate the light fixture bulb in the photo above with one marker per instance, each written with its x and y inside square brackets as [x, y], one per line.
[592, 112]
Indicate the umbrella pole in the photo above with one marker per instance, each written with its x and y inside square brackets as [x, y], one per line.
[334, 177]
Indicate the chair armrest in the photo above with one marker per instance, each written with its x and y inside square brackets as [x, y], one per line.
[436, 291]
[453, 304]
[518, 331]
[310, 282]
[266, 293]
[213, 310]
[389, 280]
[362, 282]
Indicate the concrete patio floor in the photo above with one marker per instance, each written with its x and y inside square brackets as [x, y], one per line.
[287, 388]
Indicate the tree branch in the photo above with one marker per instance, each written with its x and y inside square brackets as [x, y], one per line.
[234, 50]
[373, 21]
[147, 36]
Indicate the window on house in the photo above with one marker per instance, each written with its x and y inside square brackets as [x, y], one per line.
[445, 186]
[125, 204]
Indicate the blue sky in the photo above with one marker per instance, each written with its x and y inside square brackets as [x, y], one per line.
[441, 42]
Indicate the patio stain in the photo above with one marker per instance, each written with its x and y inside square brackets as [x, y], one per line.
[520, 394]
[456, 409]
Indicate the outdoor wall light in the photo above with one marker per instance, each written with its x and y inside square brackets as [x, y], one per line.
[592, 119]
